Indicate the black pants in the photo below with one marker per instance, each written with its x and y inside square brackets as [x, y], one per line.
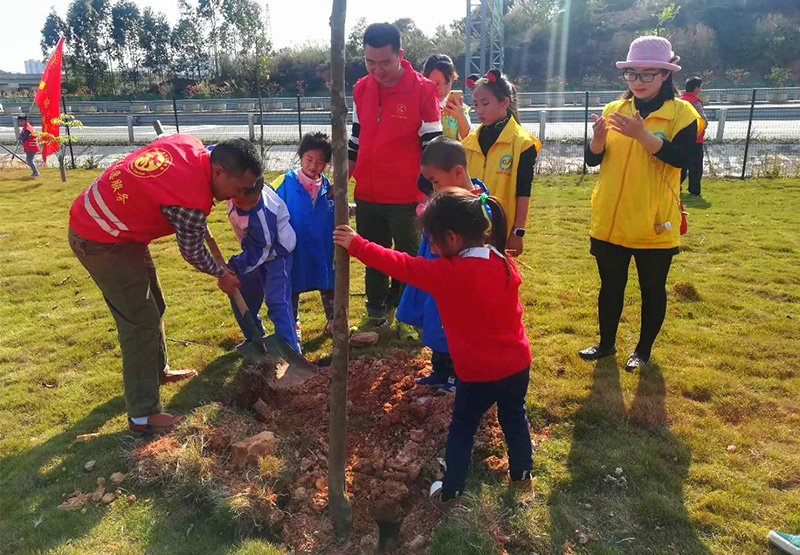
[652, 265]
[327, 304]
[442, 363]
[385, 224]
[473, 399]
[694, 169]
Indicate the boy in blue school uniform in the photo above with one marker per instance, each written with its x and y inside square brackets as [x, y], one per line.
[444, 165]
[260, 221]
[309, 197]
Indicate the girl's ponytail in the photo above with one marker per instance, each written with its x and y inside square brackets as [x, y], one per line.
[498, 235]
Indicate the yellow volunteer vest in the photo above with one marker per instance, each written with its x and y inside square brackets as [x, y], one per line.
[635, 189]
[498, 169]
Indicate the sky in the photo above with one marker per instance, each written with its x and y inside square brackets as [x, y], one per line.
[293, 21]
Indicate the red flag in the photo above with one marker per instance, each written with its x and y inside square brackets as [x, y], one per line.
[48, 97]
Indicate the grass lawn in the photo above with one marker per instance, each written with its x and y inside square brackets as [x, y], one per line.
[726, 373]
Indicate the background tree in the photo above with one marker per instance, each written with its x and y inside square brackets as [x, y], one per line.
[126, 28]
[154, 42]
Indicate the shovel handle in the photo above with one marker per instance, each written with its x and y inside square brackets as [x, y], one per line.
[217, 254]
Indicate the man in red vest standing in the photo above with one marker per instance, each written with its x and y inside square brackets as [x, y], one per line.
[694, 169]
[30, 144]
[166, 187]
[395, 115]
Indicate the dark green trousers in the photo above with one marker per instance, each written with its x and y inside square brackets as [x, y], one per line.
[126, 275]
[387, 225]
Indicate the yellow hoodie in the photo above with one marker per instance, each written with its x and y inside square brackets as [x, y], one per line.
[637, 190]
[498, 169]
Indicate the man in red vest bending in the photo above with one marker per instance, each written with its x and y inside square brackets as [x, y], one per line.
[166, 187]
[30, 144]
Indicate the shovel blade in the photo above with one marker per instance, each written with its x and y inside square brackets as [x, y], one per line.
[292, 368]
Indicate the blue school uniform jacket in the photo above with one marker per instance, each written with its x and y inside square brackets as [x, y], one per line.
[313, 224]
[417, 308]
[264, 232]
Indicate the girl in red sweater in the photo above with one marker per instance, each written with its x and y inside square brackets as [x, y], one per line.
[477, 291]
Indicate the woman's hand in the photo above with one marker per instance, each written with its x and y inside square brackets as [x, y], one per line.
[599, 133]
[343, 235]
[514, 246]
[454, 106]
[630, 127]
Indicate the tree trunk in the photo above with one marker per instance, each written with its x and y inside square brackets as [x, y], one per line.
[341, 512]
[62, 166]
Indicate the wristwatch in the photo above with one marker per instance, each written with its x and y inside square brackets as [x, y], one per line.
[519, 231]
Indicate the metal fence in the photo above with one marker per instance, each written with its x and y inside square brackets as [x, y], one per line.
[752, 132]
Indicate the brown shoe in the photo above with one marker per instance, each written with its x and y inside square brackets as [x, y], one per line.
[170, 376]
[521, 491]
[156, 424]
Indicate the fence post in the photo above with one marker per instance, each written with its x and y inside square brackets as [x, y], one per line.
[749, 128]
[585, 128]
[130, 130]
[542, 124]
[175, 111]
[299, 119]
[722, 117]
[71, 154]
[251, 127]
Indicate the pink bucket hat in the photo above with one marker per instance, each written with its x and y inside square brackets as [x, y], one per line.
[651, 51]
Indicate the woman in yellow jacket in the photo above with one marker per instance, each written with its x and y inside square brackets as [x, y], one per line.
[641, 142]
[500, 152]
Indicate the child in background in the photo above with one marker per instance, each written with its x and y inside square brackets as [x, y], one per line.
[439, 68]
[309, 197]
[444, 165]
[260, 221]
[477, 291]
[501, 152]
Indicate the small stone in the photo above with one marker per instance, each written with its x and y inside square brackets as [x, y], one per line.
[731, 448]
[300, 493]
[262, 410]
[83, 511]
[89, 466]
[618, 471]
[417, 543]
[588, 505]
[108, 498]
[395, 491]
[305, 464]
[249, 450]
[117, 478]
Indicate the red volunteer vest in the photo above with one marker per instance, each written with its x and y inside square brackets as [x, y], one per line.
[31, 144]
[123, 205]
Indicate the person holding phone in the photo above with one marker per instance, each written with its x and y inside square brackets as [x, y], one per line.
[440, 69]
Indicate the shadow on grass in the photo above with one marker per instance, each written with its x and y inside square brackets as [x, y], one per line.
[695, 203]
[645, 512]
[33, 480]
[29, 187]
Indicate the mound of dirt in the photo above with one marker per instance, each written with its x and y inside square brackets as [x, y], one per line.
[396, 433]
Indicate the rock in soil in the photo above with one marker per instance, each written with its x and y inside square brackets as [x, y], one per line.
[117, 478]
[109, 498]
[248, 450]
[89, 466]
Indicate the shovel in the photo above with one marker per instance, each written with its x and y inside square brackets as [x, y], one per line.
[292, 368]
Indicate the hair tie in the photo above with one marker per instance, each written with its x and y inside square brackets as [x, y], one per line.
[487, 210]
[471, 80]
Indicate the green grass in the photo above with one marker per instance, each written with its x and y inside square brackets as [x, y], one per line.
[726, 372]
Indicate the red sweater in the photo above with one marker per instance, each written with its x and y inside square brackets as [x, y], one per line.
[478, 302]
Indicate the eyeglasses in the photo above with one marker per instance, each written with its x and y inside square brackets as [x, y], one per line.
[631, 76]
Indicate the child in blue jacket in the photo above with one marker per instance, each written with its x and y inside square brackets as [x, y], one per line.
[444, 165]
[260, 221]
[309, 197]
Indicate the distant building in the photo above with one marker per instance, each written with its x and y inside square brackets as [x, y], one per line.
[34, 67]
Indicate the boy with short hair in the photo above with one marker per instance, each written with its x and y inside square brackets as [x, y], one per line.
[443, 165]
[260, 221]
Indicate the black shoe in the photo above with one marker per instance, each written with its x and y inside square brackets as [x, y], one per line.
[635, 361]
[433, 380]
[595, 352]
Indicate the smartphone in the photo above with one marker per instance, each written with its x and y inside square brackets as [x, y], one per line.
[456, 95]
